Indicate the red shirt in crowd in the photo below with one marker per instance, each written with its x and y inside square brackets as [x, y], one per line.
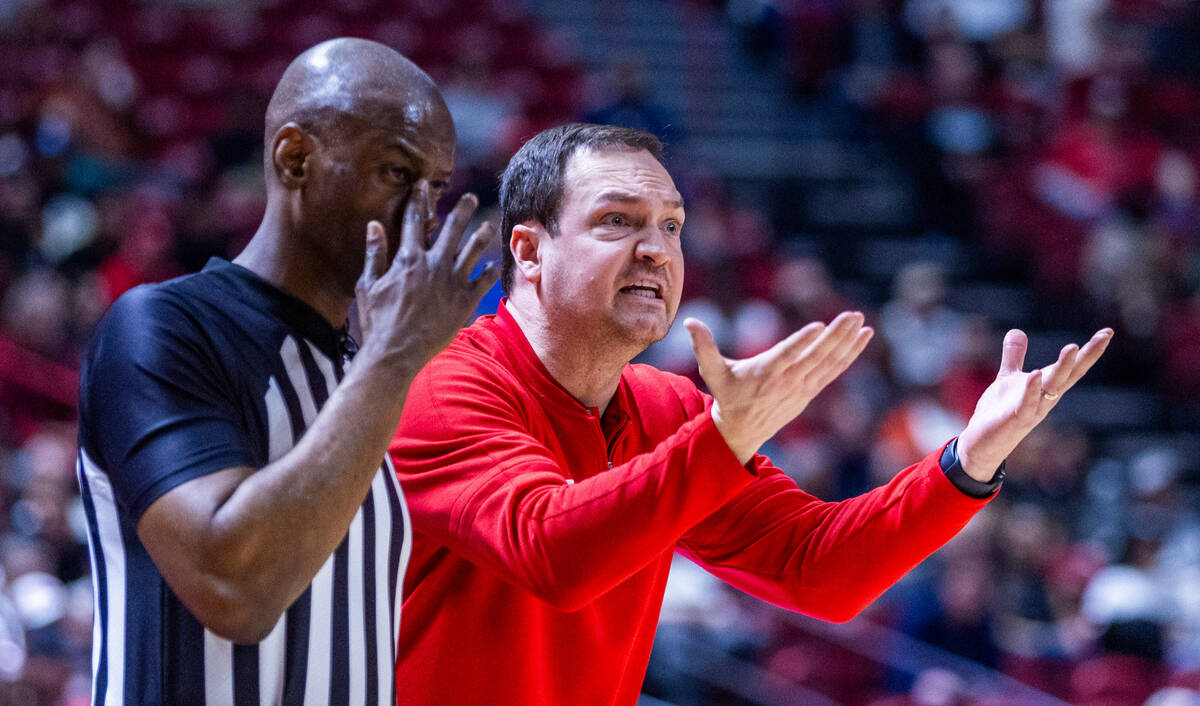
[543, 530]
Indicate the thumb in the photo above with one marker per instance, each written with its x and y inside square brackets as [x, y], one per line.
[375, 263]
[708, 357]
[1012, 356]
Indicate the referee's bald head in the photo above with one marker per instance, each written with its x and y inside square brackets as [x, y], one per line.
[351, 77]
[353, 129]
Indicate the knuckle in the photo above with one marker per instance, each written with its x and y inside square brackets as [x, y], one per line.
[408, 256]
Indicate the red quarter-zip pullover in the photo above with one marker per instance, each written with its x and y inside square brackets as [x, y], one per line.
[543, 533]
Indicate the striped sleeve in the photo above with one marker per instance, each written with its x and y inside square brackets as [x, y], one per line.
[335, 645]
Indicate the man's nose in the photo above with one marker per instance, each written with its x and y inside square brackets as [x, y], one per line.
[652, 248]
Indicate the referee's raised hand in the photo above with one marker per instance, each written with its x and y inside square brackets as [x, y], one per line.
[412, 306]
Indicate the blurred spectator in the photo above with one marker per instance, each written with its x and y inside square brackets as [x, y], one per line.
[699, 615]
[1072, 34]
[911, 429]
[932, 687]
[39, 375]
[674, 352]
[1179, 340]
[12, 643]
[975, 20]
[480, 111]
[1129, 610]
[759, 25]
[629, 105]
[144, 251]
[805, 291]
[972, 370]
[962, 621]
[757, 326]
[924, 336]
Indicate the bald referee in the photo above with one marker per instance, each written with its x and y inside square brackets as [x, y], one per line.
[247, 535]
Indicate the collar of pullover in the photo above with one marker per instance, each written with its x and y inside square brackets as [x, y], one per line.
[526, 364]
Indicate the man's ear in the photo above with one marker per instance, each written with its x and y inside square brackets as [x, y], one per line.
[290, 153]
[524, 246]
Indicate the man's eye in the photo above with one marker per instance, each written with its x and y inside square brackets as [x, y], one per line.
[673, 228]
[616, 220]
[400, 174]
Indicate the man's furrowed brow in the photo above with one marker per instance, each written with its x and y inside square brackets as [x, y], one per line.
[613, 195]
[627, 197]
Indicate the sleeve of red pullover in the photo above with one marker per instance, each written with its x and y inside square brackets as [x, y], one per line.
[829, 559]
[477, 481]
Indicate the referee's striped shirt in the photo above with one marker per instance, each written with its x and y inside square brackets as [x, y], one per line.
[185, 378]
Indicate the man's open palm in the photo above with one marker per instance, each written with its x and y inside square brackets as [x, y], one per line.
[755, 397]
[1017, 401]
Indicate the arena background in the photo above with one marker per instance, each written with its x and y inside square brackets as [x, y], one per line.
[952, 167]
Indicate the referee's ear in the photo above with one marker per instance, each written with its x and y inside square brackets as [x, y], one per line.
[290, 152]
[526, 254]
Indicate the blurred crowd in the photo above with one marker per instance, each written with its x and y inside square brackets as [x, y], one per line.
[1057, 135]
[1056, 141]
[1053, 139]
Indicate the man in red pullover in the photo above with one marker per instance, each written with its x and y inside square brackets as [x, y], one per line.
[550, 481]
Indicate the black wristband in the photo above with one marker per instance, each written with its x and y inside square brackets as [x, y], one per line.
[970, 487]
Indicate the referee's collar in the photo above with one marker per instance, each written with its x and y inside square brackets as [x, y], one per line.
[288, 308]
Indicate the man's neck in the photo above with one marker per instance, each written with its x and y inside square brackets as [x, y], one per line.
[590, 373]
[281, 261]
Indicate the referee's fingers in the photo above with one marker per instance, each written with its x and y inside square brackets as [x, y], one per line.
[416, 211]
[485, 279]
[456, 224]
[480, 241]
[375, 263]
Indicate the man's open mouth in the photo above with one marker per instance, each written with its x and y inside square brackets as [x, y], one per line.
[649, 290]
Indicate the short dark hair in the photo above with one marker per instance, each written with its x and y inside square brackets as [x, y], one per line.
[531, 187]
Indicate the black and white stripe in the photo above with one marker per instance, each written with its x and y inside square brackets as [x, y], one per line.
[335, 644]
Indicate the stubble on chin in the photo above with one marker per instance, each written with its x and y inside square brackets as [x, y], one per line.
[640, 335]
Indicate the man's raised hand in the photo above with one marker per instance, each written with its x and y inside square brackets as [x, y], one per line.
[415, 304]
[1017, 401]
[755, 397]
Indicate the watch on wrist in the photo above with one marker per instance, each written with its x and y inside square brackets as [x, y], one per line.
[952, 467]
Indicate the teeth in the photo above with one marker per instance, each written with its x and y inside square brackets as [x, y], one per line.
[643, 288]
